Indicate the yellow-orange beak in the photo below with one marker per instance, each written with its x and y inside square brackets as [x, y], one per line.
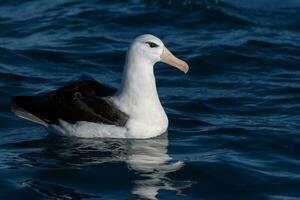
[168, 58]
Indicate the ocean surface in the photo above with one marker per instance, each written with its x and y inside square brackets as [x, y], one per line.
[234, 118]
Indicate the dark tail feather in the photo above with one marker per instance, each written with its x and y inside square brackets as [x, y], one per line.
[23, 107]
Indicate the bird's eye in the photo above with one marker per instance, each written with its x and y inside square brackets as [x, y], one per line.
[152, 44]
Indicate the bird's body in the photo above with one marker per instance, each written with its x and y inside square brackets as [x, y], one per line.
[91, 109]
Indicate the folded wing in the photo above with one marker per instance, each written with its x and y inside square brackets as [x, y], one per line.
[78, 101]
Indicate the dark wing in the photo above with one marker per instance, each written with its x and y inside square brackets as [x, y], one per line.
[77, 101]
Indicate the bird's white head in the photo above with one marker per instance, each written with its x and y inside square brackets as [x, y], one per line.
[151, 49]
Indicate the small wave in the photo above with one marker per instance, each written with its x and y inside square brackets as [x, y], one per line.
[12, 77]
[56, 191]
[256, 43]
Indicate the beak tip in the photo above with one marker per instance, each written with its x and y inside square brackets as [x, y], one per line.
[186, 68]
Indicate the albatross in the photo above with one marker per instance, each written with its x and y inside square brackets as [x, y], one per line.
[90, 109]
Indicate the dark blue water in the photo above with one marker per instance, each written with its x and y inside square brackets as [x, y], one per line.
[234, 119]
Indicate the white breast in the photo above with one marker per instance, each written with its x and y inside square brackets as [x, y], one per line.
[146, 119]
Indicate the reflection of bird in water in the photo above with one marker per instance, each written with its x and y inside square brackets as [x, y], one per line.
[149, 159]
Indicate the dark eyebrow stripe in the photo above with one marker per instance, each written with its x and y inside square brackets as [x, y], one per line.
[152, 44]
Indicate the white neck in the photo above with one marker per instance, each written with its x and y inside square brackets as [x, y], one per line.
[138, 87]
[138, 96]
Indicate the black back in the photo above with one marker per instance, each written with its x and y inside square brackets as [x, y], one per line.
[83, 100]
